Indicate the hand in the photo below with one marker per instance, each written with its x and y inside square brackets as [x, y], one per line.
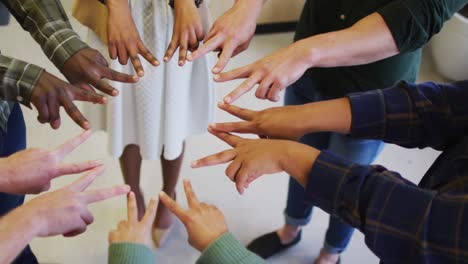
[272, 73]
[132, 230]
[123, 38]
[252, 158]
[32, 170]
[87, 69]
[50, 93]
[65, 211]
[231, 33]
[188, 30]
[204, 223]
[276, 123]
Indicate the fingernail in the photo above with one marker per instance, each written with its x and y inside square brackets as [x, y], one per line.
[216, 77]
[141, 73]
[162, 194]
[220, 104]
[189, 57]
[166, 59]
[156, 63]
[181, 63]
[227, 99]
[194, 163]
[215, 69]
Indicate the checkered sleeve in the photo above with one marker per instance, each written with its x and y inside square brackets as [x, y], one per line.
[402, 222]
[17, 79]
[412, 115]
[48, 24]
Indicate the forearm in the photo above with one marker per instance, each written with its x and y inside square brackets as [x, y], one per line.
[367, 41]
[253, 7]
[16, 231]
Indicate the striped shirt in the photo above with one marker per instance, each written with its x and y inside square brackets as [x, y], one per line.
[404, 222]
[48, 24]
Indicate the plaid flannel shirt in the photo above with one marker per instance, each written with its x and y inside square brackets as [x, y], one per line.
[48, 24]
[403, 222]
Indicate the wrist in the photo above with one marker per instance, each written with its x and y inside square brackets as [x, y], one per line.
[6, 175]
[299, 160]
[23, 219]
[116, 4]
[251, 5]
[313, 53]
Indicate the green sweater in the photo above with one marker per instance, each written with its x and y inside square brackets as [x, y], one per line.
[226, 249]
[412, 23]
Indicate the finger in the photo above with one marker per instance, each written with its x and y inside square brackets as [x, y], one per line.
[193, 42]
[183, 50]
[112, 236]
[273, 94]
[84, 86]
[245, 87]
[112, 75]
[72, 144]
[241, 179]
[224, 57]
[87, 217]
[171, 49]
[54, 109]
[238, 73]
[84, 181]
[122, 225]
[132, 210]
[208, 46]
[88, 96]
[232, 169]
[147, 54]
[56, 124]
[242, 113]
[80, 230]
[122, 51]
[226, 137]
[150, 213]
[106, 88]
[74, 112]
[76, 168]
[190, 194]
[104, 194]
[112, 51]
[172, 206]
[236, 127]
[43, 111]
[264, 87]
[216, 159]
[137, 65]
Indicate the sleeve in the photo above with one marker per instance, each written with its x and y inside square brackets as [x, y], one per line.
[228, 250]
[17, 79]
[414, 22]
[48, 24]
[424, 115]
[130, 253]
[398, 218]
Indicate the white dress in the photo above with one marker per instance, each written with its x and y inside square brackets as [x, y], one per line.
[170, 102]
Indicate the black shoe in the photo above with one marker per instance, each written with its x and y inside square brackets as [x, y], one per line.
[270, 244]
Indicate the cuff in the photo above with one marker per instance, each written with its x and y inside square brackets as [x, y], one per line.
[334, 185]
[368, 114]
[130, 253]
[19, 81]
[226, 249]
[408, 33]
[62, 45]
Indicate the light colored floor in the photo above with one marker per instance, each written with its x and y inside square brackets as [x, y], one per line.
[257, 212]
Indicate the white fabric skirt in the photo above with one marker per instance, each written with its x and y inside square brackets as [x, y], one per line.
[169, 103]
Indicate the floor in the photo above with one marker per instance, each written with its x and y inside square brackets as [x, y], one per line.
[257, 212]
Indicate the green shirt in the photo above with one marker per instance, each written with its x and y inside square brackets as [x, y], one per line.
[412, 23]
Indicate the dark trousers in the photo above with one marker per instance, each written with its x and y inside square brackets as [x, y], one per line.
[13, 141]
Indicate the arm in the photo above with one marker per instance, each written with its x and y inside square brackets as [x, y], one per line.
[401, 26]
[15, 233]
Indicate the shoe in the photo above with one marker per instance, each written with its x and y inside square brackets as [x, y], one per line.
[270, 244]
[160, 235]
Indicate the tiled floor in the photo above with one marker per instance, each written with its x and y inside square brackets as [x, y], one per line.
[258, 211]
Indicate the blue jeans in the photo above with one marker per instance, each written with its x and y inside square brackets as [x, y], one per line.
[299, 213]
[13, 141]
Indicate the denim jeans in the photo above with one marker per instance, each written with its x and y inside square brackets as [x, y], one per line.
[4, 15]
[299, 213]
[13, 141]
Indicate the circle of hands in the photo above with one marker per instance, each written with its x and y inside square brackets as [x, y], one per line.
[87, 72]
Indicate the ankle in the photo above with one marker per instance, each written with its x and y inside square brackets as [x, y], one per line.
[288, 233]
[326, 257]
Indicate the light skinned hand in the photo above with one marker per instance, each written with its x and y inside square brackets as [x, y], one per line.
[132, 230]
[231, 33]
[124, 41]
[252, 158]
[274, 123]
[188, 30]
[88, 69]
[65, 211]
[32, 170]
[204, 223]
[272, 73]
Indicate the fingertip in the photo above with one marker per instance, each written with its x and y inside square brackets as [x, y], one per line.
[86, 125]
[189, 57]
[114, 92]
[194, 163]
[166, 59]
[181, 63]
[216, 69]
[141, 73]
[227, 99]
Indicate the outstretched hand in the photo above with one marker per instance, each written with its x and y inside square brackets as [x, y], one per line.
[32, 170]
[204, 223]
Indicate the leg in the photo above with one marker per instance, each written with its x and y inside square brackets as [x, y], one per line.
[14, 140]
[339, 233]
[171, 172]
[130, 164]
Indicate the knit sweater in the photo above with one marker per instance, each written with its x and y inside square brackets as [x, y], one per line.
[226, 249]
